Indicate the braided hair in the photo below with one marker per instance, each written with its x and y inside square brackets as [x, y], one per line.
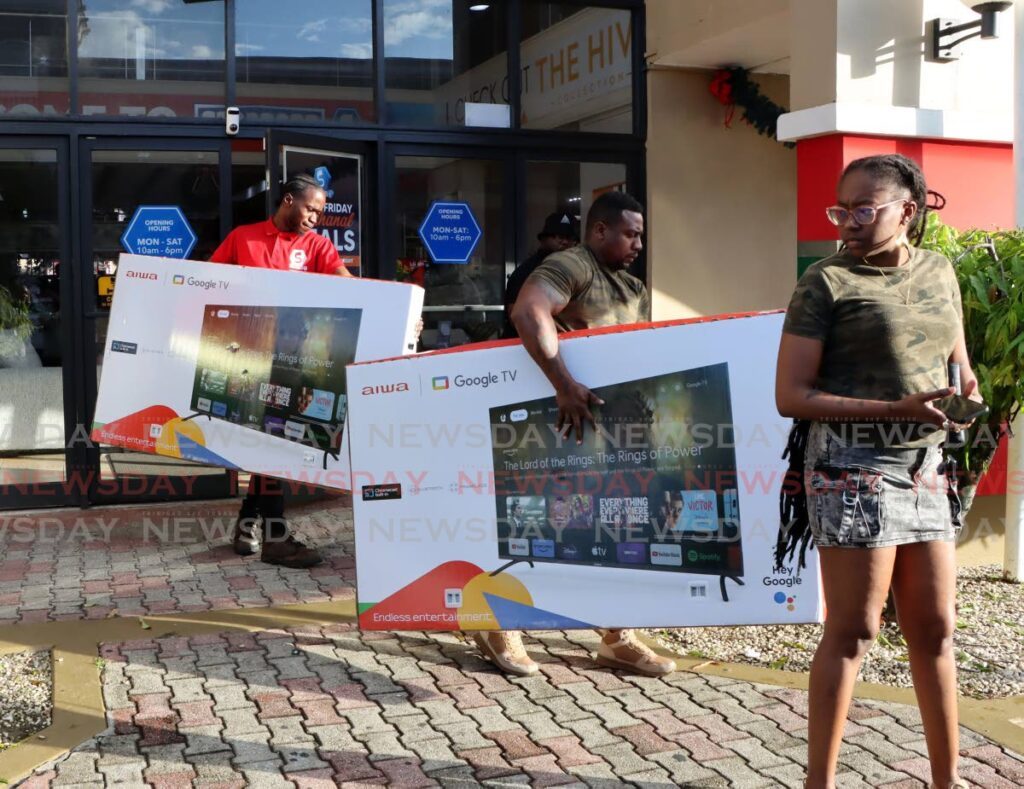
[298, 185]
[903, 171]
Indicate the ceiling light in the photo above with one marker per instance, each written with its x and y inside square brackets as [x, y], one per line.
[479, 6]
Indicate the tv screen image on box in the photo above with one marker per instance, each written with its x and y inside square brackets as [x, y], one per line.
[653, 487]
[280, 370]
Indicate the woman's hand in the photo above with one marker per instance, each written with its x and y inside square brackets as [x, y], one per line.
[919, 408]
[971, 391]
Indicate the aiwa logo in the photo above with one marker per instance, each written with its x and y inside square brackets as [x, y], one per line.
[440, 383]
[385, 388]
[142, 275]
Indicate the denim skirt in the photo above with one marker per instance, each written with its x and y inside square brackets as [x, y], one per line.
[868, 497]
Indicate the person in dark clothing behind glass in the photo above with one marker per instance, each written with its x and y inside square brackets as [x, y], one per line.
[561, 230]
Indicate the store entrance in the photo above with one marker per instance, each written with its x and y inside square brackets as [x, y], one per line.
[116, 178]
[66, 201]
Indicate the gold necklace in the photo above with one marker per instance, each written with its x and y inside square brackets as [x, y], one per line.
[910, 276]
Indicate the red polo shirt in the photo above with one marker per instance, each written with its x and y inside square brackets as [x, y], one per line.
[262, 245]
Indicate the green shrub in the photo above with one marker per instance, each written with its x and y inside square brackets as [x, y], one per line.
[990, 269]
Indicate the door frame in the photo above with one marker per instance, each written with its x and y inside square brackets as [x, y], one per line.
[388, 188]
[117, 490]
[277, 138]
[54, 494]
[635, 184]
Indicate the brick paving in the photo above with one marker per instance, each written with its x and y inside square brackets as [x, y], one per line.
[329, 706]
[163, 559]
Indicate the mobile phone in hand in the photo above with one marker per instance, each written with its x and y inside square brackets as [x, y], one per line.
[960, 409]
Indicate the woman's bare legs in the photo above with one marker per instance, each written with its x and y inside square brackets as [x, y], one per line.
[856, 583]
[924, 584]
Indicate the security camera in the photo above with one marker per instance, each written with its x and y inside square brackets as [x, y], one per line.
[232, 120]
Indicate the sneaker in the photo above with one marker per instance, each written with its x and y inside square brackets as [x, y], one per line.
[504, 648]
[245, 538]
[289, 552]
[623, 650]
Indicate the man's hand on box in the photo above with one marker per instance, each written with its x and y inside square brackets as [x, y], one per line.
[574, 401]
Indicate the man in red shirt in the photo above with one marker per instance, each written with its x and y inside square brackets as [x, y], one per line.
[282, 242]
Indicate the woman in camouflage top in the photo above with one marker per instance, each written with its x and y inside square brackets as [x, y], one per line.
[865, 350]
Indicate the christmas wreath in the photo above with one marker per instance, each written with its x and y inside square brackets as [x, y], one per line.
[734, 88]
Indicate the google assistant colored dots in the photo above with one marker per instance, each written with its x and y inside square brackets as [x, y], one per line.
[780, 597]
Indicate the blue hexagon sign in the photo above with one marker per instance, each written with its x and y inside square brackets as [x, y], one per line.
[160, 231]
[450, 232]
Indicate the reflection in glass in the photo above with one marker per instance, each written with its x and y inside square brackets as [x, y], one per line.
[567, 187]
[313, 62]
[441, 55]
[158, 58]
[31, 383]
[577, 68]
[477, 285]
[451, 328]
[33, 58]
[122, 180]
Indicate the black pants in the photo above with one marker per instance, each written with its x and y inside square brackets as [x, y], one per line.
[266, 498]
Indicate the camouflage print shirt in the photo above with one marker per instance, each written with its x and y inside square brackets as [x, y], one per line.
[596, 296]
[887, 332]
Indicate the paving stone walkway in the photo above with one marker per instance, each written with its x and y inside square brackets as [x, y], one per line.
[330, 706]
[137, 561]
[322, 707]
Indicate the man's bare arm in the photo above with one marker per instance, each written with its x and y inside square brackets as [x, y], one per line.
[534, 318]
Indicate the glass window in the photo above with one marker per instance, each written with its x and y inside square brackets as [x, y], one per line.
[566, 188]
[248, 181]
[121, 182]
[311, 62]
[445, 63]
[577, 68]
[31, 381]
[558, 197]
[33, 58]
[160, 58]
[463, 301]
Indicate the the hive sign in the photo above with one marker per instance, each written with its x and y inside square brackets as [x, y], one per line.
[450, 232]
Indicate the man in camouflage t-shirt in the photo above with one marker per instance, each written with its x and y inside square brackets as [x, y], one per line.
[585, 287]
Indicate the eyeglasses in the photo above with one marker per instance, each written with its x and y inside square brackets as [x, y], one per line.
[862, 214]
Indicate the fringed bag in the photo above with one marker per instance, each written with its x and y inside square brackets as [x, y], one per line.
[794, 527]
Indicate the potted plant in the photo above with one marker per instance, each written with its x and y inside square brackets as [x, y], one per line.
[15, 329]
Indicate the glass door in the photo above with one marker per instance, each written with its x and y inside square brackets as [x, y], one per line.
[561, 185]
[37, 402]
[436, 195]
[116, 177]
[340, 167]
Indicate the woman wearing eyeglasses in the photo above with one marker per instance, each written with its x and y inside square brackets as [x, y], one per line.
[864, 354]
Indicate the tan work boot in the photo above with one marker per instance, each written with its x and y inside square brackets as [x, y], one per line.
[505, 649]
[622, 649]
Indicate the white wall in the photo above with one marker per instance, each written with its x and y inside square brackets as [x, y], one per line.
[721, 203]
[880, 58]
